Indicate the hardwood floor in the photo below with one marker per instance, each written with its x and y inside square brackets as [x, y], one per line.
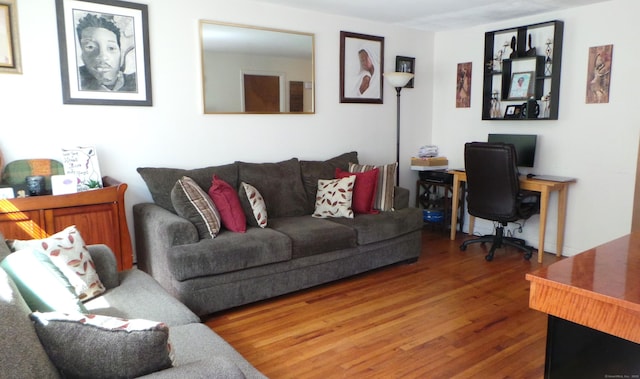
[450, 315]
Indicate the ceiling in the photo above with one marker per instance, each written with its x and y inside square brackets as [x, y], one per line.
[434, 15]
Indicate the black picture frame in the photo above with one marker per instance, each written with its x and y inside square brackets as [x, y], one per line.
[516, 89]
[131, 80]
[352, 47]
[10, 61]
[513, 111]
[406, 64]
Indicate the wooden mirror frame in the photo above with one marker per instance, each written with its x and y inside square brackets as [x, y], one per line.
[232, 52]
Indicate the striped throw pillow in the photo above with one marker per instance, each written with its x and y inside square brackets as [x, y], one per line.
[191, 202]
[386, 183]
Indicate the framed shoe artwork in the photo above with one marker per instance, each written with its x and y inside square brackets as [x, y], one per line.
[361, 68]
[104, 52]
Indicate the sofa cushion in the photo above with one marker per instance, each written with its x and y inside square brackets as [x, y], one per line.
[334, 197]
[21, 353]
[160, 180]
[94, 346]
[141, 296]
[191, 202]
[386, 183]
[372, 228]
[280, 185]
[229, 252]
[311, 236]
[69, 253]
[311, 171]
[227, 202]
[364, 189]
[196, 343]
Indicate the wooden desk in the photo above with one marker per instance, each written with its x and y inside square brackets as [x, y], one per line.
[545, 188]
[595, 291]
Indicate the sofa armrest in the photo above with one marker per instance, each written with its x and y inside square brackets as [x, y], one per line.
[401, 198]
[106, 265]
[157, 231]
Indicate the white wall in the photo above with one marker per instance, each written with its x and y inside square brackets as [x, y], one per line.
[174, 132]
[596, 143]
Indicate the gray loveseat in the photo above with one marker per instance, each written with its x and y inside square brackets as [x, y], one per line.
[295, 251]
[199, 352]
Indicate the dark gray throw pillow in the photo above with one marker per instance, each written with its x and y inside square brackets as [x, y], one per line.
[94, 346]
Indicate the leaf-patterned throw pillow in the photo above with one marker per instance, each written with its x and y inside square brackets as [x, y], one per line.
[68, 252]
[257, 204]
[333, 198]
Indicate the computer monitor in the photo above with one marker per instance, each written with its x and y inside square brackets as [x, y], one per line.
[525, 145]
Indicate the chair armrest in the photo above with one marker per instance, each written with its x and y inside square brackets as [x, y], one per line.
[400, 198]
[157, 231]
[106, 265]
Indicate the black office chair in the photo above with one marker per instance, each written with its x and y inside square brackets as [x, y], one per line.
[493, 193]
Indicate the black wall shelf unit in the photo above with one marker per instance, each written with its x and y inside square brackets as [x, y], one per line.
[533, 48]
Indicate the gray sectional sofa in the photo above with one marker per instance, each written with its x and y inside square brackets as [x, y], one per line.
[295, 251]
[132, 294]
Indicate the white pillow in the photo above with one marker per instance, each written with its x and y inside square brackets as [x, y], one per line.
[333, 198]
[258, 206]
[68, 252]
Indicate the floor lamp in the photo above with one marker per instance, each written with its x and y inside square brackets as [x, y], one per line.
[398, 80]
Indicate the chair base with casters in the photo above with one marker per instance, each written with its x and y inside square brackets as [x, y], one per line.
[498, 240]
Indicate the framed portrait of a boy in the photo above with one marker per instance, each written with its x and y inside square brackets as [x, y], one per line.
[9, 42]
[104, 52]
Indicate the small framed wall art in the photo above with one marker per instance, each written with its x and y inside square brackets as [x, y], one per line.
[361, 68]
[520, 87]
[406, 64]
[599, 74]
[9, 42]
[104, 52]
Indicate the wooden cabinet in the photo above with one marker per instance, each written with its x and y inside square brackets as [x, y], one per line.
[98, 214]
[534, 51]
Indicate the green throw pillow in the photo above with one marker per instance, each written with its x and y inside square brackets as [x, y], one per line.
[41, 284]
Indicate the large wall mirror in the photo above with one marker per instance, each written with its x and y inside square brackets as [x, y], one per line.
[247, 69]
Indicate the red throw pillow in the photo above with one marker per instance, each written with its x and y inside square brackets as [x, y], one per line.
[364, 189]
[226, 200]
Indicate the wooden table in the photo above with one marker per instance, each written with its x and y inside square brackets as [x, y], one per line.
[545, 188]
[592, 292]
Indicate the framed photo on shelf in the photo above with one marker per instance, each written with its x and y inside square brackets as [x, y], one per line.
[361, 68]
[520, 87]
[406, 64]
[9, 43]
[104, 52]
[513, 111]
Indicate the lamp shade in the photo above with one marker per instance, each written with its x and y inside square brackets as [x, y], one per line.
[398, 79]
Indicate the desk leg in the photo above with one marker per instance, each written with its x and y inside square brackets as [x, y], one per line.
[544, 206]
[472, 224]
[562, 217]
[455, 198]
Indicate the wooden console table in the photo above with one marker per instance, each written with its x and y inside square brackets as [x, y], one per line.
[545, 187]
[593, 303]
[98, 214]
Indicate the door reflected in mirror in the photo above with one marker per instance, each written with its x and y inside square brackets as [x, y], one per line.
[247, 69]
